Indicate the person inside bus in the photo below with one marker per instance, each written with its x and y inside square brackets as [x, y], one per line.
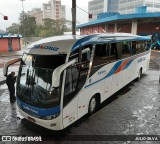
[10, 81]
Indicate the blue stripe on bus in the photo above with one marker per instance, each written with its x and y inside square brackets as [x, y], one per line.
[37, 111]
[111, 72]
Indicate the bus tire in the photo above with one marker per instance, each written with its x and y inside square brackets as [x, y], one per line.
[92, 105]
[139, 74]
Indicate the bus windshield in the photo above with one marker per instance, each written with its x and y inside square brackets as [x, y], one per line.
[34, 83]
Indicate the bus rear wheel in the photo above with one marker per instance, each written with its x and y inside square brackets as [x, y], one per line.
[92, 105]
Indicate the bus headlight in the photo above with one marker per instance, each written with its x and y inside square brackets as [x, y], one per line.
[51, 116]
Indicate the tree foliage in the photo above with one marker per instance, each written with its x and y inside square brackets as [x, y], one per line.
[29, 28]
[14, 28]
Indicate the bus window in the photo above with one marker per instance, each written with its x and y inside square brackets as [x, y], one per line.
[147, 45]
[71, 82]
[134, 47]
[119, 50]
[101, 55]
[113, 52]
[138, 47]
[126, 49]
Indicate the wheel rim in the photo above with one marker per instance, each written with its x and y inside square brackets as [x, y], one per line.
[92, 104]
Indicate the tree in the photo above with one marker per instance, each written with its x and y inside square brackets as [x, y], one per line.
[14, 29]
[27, 25]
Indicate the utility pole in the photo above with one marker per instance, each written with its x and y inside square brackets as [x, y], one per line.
[73, 17]
[23, 23]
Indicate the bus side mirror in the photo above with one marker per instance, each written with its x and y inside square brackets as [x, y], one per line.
[9, 63]
[57, 72]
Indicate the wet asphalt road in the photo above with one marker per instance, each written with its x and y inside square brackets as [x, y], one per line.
[134, 110]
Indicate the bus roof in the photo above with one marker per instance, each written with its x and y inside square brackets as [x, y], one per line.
[66, 44]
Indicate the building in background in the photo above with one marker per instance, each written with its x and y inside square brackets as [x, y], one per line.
[130, 6]
[112, 5]
[46, 8]
[63, 12]
[144, 23]
[96, 7]
[54, 10]
[38, 14]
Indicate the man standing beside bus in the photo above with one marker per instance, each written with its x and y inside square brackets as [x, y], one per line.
[10, 81]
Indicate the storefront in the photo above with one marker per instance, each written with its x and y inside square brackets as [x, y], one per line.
[10, 42]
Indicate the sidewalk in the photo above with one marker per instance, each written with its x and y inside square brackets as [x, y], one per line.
[11, 53]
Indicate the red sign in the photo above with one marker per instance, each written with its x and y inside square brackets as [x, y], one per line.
[5, 17]
[90, 16]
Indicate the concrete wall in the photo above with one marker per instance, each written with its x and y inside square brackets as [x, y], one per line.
[15, 44]
[3, 45]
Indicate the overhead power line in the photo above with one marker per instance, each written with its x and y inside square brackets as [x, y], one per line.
[82, 9]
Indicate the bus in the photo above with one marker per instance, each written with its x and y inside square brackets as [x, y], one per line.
[63, 78]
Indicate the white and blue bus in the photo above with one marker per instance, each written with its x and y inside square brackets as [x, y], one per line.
[62, 78]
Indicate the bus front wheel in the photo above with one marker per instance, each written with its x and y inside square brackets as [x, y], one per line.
[92, 105]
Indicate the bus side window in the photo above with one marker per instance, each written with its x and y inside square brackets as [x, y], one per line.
[71, 82]
[119, 50]
[126, 49]
[86, 53]
[113, 52]
[133, 48]
[101, 57]
[147, 45]
[138, 47]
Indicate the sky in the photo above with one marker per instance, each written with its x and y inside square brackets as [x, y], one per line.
[12, 9]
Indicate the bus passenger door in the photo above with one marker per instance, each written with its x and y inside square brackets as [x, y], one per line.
[69, 97]
[10, 66]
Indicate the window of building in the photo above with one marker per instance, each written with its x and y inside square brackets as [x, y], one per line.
[149, 4]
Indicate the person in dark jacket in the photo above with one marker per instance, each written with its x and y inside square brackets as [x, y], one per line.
[10, 81]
